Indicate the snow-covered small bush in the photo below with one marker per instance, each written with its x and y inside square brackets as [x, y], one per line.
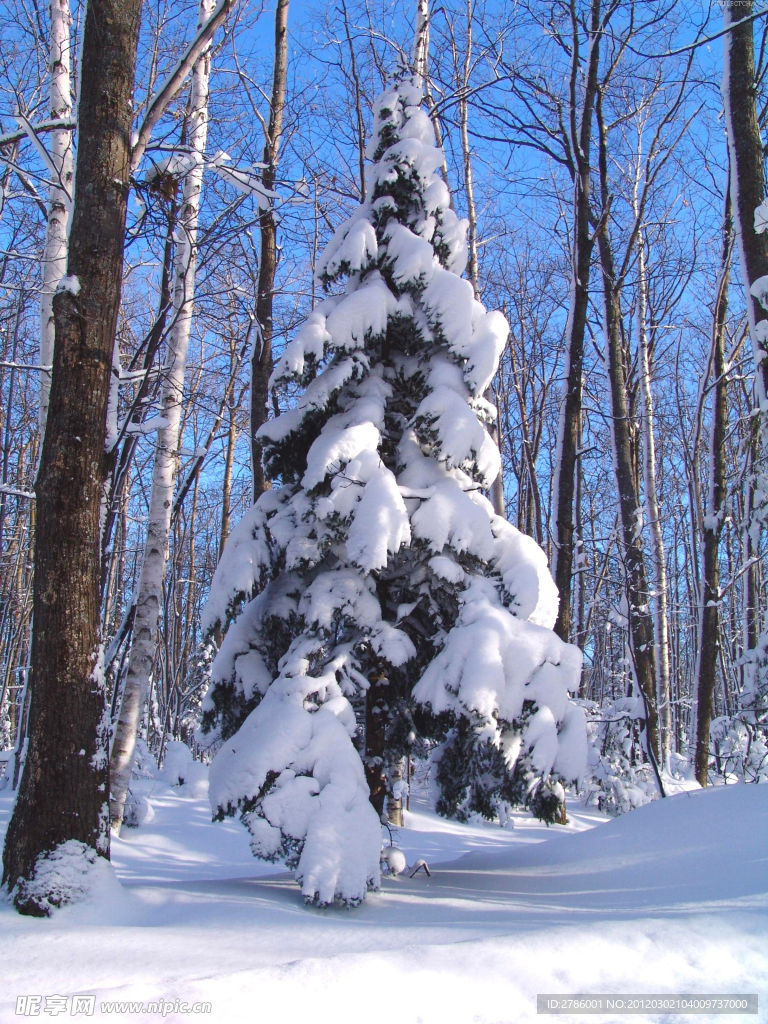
[739, 749]
[619, 777]
[738, 743]
[144, 764]
[181, 769]
[374, 604]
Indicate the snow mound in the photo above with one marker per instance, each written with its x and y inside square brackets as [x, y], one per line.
[70, 873]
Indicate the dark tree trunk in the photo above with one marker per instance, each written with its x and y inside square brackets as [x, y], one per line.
[64, 787]
[226, 491]
[709, 633]
[261, 363]
[376, 715]
[747, 182]
[636, 582]
[625, 454]
[581, 257]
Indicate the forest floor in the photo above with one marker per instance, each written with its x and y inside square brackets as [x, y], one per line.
[669, 898]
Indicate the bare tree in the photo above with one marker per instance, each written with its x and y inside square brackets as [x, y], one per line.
[149, 590]
[626, 465]
[62, 793]
[709, 629]
[580, 110]
[261, 363]
[747, 181]
[60, 198]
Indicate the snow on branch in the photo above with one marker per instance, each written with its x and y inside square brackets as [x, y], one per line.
[24, 366]
[148, 426]
[5, 489]
[244, 180]
[56, 125]
[42, 152]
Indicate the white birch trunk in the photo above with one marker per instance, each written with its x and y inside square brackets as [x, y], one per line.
[60, 193]
[421, 42]
[166, 452]
[659, 579]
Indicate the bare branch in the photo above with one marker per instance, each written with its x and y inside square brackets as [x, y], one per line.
[176, 79]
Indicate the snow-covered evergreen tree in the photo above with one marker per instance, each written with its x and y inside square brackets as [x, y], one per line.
[376, 601]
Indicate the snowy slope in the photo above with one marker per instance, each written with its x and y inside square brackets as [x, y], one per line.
[670, 897]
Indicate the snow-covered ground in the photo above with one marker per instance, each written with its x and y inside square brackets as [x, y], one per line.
[668, 898]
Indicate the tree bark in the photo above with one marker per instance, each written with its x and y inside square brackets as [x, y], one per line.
[626, 463]
[64, 785]
[421, 42]
[164, 470]
[376, 713]
[226, 492]
[60, 193]
[625, 456]
[747, 183]
[261, 362]
[709, 630]
[636, 582]
[580, 132]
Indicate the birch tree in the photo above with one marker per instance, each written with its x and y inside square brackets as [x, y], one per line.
[149, 591]
[658, 561]
[59, 197]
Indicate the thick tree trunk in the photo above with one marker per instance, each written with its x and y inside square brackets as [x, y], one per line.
[747, 183]
[636, 582]
[261, 362]
[625, 461]
[149, 593]
[709, 614]
[64, 786]
[747, 187]
[582, 244]
[60, 194]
